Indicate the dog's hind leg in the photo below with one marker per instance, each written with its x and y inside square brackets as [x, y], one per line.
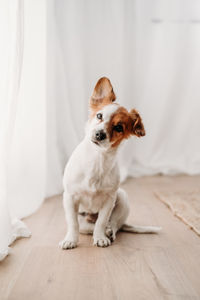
[118, 219]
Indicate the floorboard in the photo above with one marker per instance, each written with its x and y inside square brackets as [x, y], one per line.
[136, 266]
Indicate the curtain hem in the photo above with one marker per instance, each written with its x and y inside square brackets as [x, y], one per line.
[19, 230]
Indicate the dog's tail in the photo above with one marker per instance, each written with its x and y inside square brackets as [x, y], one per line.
[140, 229]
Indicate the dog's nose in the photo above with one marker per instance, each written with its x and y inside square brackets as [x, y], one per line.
[100, 135]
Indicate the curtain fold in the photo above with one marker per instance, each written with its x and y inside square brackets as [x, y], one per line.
[22, 116]
[12, 39]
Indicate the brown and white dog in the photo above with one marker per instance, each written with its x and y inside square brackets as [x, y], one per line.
[93, 202]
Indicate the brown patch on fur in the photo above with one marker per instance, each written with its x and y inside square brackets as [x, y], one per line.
[91, 218]
[131, 123]
[138, 128]
[103, 94]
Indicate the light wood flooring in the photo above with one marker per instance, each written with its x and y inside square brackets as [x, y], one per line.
[136, 266]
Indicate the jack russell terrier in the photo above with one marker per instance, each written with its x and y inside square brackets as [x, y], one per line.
[93, 202]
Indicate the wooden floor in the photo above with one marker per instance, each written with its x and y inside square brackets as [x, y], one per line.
[136, 266]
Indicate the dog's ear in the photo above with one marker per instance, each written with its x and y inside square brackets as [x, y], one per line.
[137, 125]
[103, 94]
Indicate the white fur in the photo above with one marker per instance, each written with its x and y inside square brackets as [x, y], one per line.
[91, 184]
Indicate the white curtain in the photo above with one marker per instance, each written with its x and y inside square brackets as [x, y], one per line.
[150, 50]
[22, 115]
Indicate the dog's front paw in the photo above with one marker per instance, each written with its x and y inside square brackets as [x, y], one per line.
[102, 241]
[67, 244]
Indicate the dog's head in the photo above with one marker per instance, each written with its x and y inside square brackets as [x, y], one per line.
[109, 122]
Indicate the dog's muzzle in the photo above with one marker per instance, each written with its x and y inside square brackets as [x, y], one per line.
[100, 135]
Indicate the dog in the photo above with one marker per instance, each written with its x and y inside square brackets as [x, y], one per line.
[92, 200]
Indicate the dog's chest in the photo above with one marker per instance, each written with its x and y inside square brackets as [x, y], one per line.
[100, 175]
[91, 177]
[91, 202]
[99, 182]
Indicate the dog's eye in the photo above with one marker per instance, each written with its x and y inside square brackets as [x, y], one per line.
[118, 128]
[99, 116]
